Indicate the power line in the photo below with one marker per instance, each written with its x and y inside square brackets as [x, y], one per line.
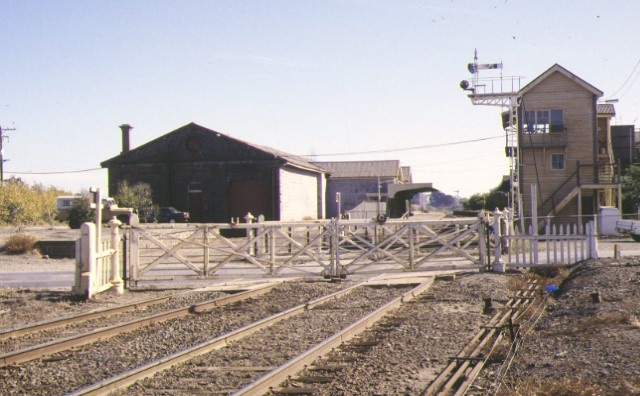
[321, 155]
[627, 80]
[55, 173]
[410, 148]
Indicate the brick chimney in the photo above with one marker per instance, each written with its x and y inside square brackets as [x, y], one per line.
[125, 137]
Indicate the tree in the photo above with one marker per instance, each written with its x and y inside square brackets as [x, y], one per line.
[440, 200]
[474, 202]
[495, 198]
[139, 197]
[21, 204]
[631, 189]
[80, 212]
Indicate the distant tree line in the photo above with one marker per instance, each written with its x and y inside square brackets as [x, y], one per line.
[21, 204]
[489, 201]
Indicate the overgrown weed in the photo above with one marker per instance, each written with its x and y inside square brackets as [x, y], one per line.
[21, 243]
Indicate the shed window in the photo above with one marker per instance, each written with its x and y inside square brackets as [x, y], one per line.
[557, 161]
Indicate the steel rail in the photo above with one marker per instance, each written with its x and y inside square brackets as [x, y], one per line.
[297, 364]
[129, 377]
[48, 348]
[65, 321]
[452, 378]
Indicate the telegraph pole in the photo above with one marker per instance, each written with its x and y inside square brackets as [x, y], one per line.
[2, 160]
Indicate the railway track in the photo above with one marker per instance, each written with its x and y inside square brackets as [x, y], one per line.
[38, 333]
[41, 339]
[459, 375]
[306, 338]
[80, 366]
[409, 350]
[276, 345]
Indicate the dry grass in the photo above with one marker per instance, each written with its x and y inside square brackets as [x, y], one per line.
[20, 243]
[534, 386]
[594, 325]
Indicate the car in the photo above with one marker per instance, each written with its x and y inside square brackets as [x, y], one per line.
[169, 214]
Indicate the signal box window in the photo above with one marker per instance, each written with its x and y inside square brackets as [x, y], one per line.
[544, 121]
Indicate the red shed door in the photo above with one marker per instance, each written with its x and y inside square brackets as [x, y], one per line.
[249, 196]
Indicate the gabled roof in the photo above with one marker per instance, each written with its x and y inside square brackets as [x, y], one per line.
[286, 158]
[559, 69]
[362, 169]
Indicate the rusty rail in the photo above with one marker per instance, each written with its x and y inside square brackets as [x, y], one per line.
[37, 351]
[276, 377]
[463, 369]
[126, 379]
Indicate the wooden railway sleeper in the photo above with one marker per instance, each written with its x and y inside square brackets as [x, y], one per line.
[294, 391]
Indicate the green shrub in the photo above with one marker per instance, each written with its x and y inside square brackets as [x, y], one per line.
[20, 243]
[138, 196]
[80, 212]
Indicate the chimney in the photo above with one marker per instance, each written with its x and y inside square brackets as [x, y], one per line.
[125, 137]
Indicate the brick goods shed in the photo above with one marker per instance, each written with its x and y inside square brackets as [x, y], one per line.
[216, 177]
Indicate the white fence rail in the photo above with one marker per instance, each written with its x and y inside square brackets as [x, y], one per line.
[329, 248]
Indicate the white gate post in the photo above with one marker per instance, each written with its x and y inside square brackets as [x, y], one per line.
[498, 264]
[250, 233]
[87, 259]
[116, 280]
[482, 240]
[592, 240]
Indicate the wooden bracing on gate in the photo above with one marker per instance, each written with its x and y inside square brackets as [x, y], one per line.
[327, 248]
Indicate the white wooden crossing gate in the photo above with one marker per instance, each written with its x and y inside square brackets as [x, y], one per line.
[328, 248]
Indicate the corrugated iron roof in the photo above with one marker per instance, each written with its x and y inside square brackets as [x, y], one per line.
[362, 169]
[292, 159]
[606, 109]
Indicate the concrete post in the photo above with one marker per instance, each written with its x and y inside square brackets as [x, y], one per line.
[116, 279]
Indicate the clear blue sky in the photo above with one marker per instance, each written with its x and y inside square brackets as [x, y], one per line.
[306, 77]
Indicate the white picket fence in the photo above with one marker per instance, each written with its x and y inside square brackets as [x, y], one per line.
[558, 245]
